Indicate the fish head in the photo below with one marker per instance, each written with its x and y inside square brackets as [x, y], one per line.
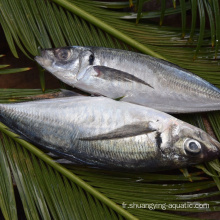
[66, 63]
[187, 145]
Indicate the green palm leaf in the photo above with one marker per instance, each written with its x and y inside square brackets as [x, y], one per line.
[48, 190]
[64, 28]
[7, 199]
[8, 71]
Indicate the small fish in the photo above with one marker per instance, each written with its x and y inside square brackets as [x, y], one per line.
[101, 132]
[138, 78]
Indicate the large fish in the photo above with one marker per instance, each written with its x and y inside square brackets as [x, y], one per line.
[136, 77]
[101, 132]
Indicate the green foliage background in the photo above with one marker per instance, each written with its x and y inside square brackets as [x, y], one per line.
[49, 190]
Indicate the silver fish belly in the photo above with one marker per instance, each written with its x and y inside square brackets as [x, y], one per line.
[101, 132]
[136, 77]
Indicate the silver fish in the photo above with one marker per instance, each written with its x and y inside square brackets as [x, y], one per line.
[136, 77]
[101, 132]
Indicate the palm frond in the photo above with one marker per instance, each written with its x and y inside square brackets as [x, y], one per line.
[150, 14]
[7, 198]
[16, 70]
[9, 71]
[186, 5]
[19, 95]
[45, 189]
[163, 8]
[86, 26]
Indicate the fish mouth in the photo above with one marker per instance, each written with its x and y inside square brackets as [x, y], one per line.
[40, 60]
[43, 59]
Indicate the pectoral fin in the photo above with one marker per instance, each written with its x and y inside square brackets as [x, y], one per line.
[123, 132]
[114, 74]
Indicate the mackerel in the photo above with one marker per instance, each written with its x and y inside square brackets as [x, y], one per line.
[101, 132]
[137, 78]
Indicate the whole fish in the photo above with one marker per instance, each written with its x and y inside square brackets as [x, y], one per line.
[101, 132]
[135, 77]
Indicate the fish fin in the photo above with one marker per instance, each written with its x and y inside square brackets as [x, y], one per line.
[123, 132]
[114, 74]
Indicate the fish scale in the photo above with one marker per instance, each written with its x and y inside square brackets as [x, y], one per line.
[195, 88]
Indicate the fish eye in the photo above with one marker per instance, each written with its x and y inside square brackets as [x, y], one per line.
[62, 54]
[192, 147]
